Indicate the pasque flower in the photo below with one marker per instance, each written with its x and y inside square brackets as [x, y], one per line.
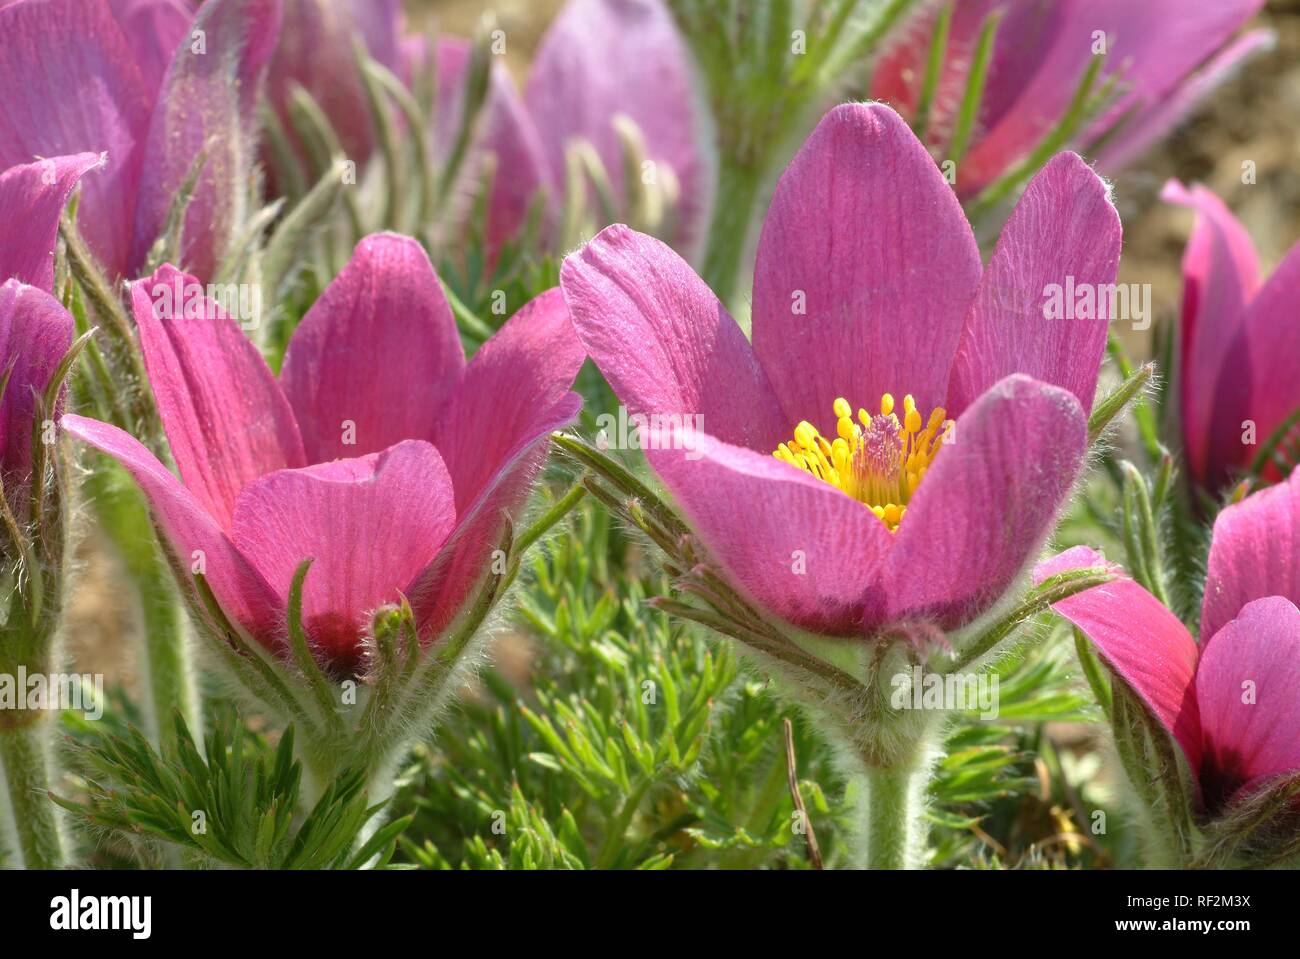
[1164, 56]
[927, 420]
[151, 87]
[600, 60]
[1239, 361]
[1231, 702]
[378, 452]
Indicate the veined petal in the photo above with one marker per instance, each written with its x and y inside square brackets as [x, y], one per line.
[207, 102]
[370, 524]
[226, 420]
[507, 394]
[604, 58]
[985, 507]
[1248, 689]
[34, 195]
[35, 333]
[1220, 276]
[665, 343]
[798, 547]
[1063, 236]
[72, 54]
[866, 268]
[1254, 553]
[190, 534]
[1143, 642]
[377, 354]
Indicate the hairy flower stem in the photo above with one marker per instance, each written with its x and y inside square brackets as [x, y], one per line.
[36, 832]
[168, 668]
[893, 803]
[733, 208]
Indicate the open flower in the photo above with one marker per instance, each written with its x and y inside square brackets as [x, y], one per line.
[379, 452]
[1165, 55]
[1233, 702]
[1239, 365]
[151, 89]
[927, 420]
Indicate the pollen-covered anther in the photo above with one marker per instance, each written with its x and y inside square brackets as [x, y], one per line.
[878, 460]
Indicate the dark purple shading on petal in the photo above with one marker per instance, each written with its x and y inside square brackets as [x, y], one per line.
[34, 195]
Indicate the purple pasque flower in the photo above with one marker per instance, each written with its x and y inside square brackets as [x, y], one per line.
[378, 452]
[151, 87]
[1239, 361]
[868, 289]
[1231, 702]
[1165, 56]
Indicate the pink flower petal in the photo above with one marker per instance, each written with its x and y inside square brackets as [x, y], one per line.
[506, 134]
[1220, 276]
[190, 534]
[315, 52]
[369, 523]
[798, 547]
[1142, 641]
[985, 508]
[1248, 688]
[34, 194]
[1064, 234]
[35, 333]
[154, 29]
[69, 84]
[376, 356]
[665, 343]
[208, 101]
[603, 58]
[1254, 553]
[226, 420]
[492, 433]
[1265, 360]
[866, 268]
[1153, 122]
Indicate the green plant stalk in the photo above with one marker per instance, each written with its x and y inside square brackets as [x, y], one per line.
[733, 208]
[37, 822]
[893, 803]
[168, 667]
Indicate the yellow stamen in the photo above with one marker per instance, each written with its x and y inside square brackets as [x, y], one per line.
[879, 461]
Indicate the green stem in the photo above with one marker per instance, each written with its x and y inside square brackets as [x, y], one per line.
[733, 208]
[36, 823]
[893, 800]
[122, 513]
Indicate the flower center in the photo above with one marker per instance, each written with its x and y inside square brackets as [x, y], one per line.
[879, 460]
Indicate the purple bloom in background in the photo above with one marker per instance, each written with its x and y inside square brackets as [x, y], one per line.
[1165, 54]
[150, 88]
[378, 452]
[1250, 634]
[599, 59]
[1239, 365]
[868, 287]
